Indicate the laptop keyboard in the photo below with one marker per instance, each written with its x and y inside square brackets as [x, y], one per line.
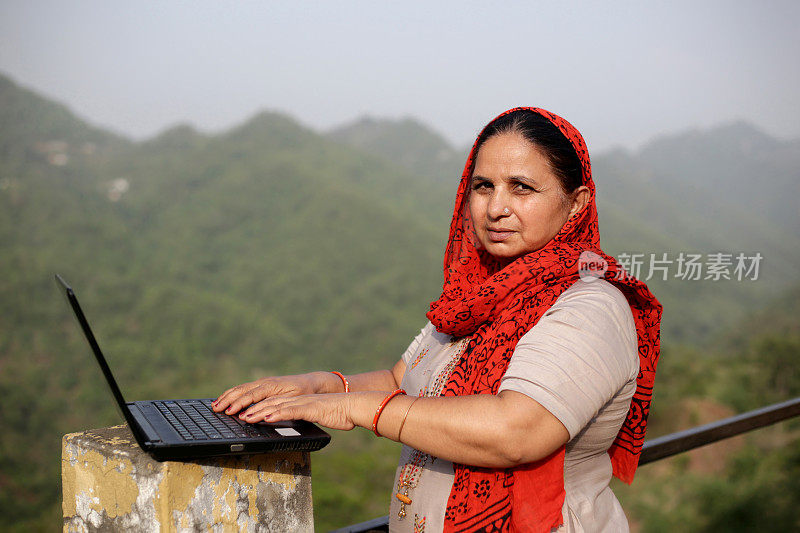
[195, 420]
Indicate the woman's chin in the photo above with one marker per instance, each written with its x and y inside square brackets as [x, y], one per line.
[504, 252]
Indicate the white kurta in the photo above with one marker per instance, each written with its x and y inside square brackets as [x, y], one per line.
[580, 361]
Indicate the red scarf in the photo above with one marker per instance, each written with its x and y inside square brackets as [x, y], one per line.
[496, 306]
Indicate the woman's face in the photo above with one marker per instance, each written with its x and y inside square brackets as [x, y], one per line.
[516, 202]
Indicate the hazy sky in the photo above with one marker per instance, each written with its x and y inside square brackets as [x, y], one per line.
[621, 74]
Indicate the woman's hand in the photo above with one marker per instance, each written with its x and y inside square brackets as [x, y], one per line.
[335, 411]
[494, 431]
[237, 398]
[329, 410]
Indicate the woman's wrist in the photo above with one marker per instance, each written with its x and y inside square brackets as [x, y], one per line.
[362, 407]
[345, 383]
[379, 411]
[326, 382]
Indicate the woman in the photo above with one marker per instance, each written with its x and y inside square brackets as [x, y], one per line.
[529, 385]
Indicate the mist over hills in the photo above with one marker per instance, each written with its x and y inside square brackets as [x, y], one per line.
[736, 163]
[206, 260]
[646, 205]
[201, 262]
[29, 120]
[729, 172]
[406, 142]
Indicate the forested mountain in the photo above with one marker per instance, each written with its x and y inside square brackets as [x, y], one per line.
[201, 262]
[407, 143]
[738, 484]
[647, 206]
[736, 163]
[206, 260]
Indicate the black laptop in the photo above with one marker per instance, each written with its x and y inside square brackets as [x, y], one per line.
[189, 429]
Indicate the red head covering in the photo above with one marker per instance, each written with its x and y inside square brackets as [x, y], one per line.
[496, 305]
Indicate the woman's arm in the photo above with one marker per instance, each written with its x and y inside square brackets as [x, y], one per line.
[486, 430]
[379, 380]
[237, 398]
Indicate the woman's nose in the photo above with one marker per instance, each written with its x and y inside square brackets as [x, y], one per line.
[498, 205]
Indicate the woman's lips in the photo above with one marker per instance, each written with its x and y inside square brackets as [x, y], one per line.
[499, 235]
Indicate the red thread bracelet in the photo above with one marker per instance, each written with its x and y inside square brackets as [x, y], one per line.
[380, 409]
[344, 380]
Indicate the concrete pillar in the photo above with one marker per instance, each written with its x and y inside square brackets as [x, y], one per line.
[109, 483]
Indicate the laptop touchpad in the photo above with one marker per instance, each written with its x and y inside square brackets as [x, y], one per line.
[288, 432]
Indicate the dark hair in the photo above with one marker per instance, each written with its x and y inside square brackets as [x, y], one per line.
[545, 136]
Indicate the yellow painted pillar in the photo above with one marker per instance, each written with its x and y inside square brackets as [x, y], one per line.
[109, 483]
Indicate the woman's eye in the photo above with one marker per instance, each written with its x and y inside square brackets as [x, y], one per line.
[523, 187]
[481, 185]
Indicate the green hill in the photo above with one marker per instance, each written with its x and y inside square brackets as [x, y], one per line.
[647, 206]
[406, 143]
[201, 262]
[735, 163]
[738, 484]
[204, 261]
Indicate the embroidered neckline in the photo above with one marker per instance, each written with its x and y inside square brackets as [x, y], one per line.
[412, 470]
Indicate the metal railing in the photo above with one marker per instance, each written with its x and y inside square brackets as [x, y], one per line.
[668, 445]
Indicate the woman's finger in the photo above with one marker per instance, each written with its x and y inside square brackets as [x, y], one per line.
[232, 394]
[243, 395]
[262, 406]
[236, 398]
[283, 413]
[299, 408]
[221, 402]
[246, 399]
[328, 410]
